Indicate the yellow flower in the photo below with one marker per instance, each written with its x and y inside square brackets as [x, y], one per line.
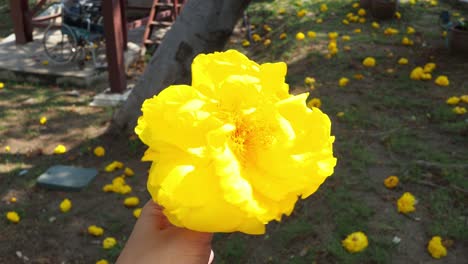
[283, 36]
[464, 98]
[323, 8]
[434, 3]
[115, 165]
[300, 36]
[347, 48]
[2, 85]
[406, 203]
[129, 172]
[245, 43]
[267, 28]
[362, 20]
[346, 38]
[281, 11]
[95, 230]
[247, 134]
[410, 30]
[309, 80]
[426, 76]
[349, 15]
[403, 61]
[7, 149]
[397, 15]
[459, 110]
[412, 2]
[301, 13]
[453, 100]
[361, 12]
[354, 18]
[45, 62]
[442, 80]
[391, 182]
[319, 21]
[131, 201]
[60, 149]
[417, 73]
[43, 120]
[109, 242]
[340, 114]
[343, 81]
[355, 5]
[102, 261]
[256, 37]
[355, 242]
[65, 205]
[444, 34]
[375, 25]
[333, 35]
[13, 200]
[390, 70]
[267, 42]
[314, 102]
[390, 31]
[13, 217]
[345, 21]
[357, 30]
[406, 41]
[429, 67]
[99, 151]
[311, 34]
[137, 213]
[436, 248]
[369, 62]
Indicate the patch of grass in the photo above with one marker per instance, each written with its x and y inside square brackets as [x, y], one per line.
[448, 215]
[234, 248]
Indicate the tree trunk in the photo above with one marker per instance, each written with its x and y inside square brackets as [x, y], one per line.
[203, 26]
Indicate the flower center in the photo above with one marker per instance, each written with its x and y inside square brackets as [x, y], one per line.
[249, 138]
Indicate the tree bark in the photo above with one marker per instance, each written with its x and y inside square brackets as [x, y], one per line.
[203, 26]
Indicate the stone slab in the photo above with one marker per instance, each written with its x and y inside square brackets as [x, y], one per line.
[66, 178]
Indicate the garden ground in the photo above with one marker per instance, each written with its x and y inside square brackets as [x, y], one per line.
[389, 125]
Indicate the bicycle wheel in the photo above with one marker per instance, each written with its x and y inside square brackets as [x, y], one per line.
[60, 44]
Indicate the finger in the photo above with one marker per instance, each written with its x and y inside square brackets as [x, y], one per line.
[211, 257]
[153, 213]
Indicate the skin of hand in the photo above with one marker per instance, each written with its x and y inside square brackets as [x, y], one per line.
[155, 240]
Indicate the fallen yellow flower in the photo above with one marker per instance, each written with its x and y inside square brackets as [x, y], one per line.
[375, 25]
[60, 149]
[7, 149]
[355, 5]
[333, 35]
[267, 42]
[361, 12]
[369, 62]
[2, 85]
[323, 8]
[417, 73]
[346, 38]
[459, 110]
[300, 36]
[403, 61]
[245, 43]
[340, 114]
[357, 30]
[109, 242]
[442, 80]
[13, 217]
[436, 248]
[319, 21]
[390, 31]
[355, 242]
[95, 230]
[464, 98]
[99, 151]
[102, 261]
[309, 80]
[137, 213]
[406, 203]
[314, 102]
[283, 36]
[343, 82]
[311, 34]
[397, 15]
[406, 41]
[115, 165]
[345, 22]
[43, 120]
[410, 30]
[131, 201]
[429, 67]
[453, 100]
[129, 172]
[256, 37]
[65, 205]
[301, 13]
[391, 182]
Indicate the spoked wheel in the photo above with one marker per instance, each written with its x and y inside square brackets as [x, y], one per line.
[60, 43]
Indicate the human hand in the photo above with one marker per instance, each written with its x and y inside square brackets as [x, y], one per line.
[155, 240]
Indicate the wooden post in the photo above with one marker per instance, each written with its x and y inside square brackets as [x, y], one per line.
[113, 31]
[123, 10]
[21, 21]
